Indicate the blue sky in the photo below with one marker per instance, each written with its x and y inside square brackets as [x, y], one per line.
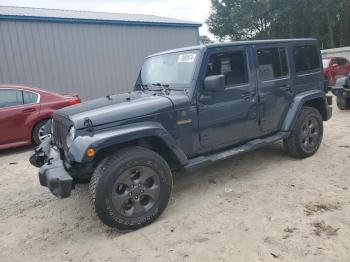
[192, 10]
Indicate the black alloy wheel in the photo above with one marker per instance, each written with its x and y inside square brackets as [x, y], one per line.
[310, 134]
[136, 191]
[131, 188]
[306, 135]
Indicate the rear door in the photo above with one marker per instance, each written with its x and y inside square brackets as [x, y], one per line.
[17, 114]
[307, 68]
[274, 85]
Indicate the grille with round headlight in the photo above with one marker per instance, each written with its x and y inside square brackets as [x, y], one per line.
[70, 136]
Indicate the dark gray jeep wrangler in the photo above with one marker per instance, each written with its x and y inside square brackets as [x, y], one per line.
[190, 108]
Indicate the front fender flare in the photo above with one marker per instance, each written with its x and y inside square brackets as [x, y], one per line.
[126, 133]
[297, 105]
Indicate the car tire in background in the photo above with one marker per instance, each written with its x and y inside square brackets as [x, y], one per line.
[306, 135]
[39, 133]
[131, 188]
[343, 103]
[327, 87]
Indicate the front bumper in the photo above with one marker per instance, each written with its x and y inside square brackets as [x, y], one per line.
[52, 173]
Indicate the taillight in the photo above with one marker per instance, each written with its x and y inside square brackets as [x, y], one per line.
[74, 101]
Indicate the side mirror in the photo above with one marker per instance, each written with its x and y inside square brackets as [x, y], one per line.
[214, 83]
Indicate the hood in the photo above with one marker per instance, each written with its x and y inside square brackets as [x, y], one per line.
[120, 107]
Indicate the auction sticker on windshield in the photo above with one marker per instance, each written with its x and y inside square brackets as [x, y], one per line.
[186, 58]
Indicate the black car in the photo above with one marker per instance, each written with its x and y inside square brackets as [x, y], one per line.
[190, 108]
[342, 91]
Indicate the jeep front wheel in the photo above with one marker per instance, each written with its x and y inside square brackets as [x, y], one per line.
[131, 188]
[306, 136]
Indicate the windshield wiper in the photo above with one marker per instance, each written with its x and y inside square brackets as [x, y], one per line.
[167, 88]
[164, 87]
[143, 87]
[159, 84]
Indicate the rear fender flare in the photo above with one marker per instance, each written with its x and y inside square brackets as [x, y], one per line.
[113, 137]
[297, 104]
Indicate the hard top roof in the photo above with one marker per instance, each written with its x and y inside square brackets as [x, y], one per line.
[239, 43]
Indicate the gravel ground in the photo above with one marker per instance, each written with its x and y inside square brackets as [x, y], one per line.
[261, 206]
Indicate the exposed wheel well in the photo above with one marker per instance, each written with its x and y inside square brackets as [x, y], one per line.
[153, 143]
[319, 104]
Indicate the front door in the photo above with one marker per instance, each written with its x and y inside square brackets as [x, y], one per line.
[274, 85]
[15, 116]
[229, 116]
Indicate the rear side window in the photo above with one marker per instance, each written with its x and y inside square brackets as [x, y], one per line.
[10, 97]
[29, 97]
[340, 61]
[306, 59]
[233, 65]
[272, 63]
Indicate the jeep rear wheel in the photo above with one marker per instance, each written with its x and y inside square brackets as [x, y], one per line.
[306, 136]
[343, 103]
[131, 188]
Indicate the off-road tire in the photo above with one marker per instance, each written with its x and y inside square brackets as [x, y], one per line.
[36, 132]
[343, 103]
[294, 144]
[117, 167]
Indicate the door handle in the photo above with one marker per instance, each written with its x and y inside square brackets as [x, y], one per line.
[285, 88]
[262, 97]
[28, 110]
[246, 96]
[204, 99]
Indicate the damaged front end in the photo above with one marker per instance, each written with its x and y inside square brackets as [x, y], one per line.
[52, 173]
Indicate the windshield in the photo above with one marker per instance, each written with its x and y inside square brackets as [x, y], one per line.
[174, 69]
[325, 63]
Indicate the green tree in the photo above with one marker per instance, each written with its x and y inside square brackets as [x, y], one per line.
[239, 19]
[326, 20]
[205, 40]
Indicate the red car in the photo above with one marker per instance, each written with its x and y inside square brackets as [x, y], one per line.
[334, 68]
[24, 112]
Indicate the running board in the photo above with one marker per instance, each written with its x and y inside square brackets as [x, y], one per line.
[203, 161]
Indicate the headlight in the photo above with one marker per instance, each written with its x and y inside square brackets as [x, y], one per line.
[70, 136]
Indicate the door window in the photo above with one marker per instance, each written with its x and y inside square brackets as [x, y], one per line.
[307, 59]
[233, 65]
[339, 61]
[10, 97]
[272, 63]
[30, 97]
